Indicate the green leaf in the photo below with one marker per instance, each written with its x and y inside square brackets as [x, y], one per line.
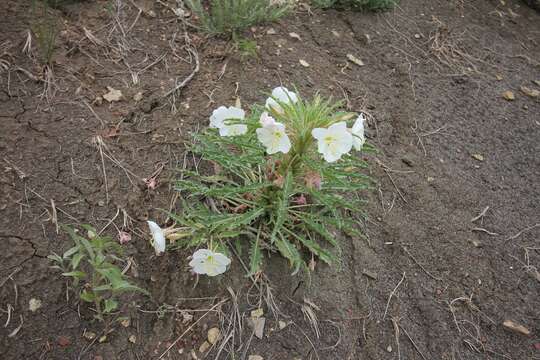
[75, 274]
[280, 211]
[87, 296]
[55, 257]
[110, 305]
[103, 287]
[319, 229]
[255, 257]
[290, 252]
[76, 260]
[315, 248]
[70, 252]
[88, 247]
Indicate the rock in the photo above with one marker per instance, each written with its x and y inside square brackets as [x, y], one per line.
[370, 274]
[125, 323]
[478, 157]
[304, 63]
[214, 335]
[271, 31]
[498, 77]
[535, 274]
[530, 92]
[520, 329]
[89, 335]
[186, 317]
[204, 347]
[389, 348]
[34, 304]
[355, 60]
[295, 36]
[132, 339]
[102, 339]
[257, 324]
[509, 95]
[476, 243]
[255, 357]
[257, 313]
[417, 36]
[282, 324]
[138, 96]
[113, 95]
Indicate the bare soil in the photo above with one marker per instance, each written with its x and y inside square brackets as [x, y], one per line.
[428, 283]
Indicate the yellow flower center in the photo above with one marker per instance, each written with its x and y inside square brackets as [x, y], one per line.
[329, 140]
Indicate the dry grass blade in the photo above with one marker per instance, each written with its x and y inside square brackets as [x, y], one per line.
[184, 82]
[392, 294]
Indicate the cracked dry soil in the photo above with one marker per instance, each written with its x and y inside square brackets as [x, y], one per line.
[432, 83]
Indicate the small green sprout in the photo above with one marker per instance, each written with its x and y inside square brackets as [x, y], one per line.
[90, 263]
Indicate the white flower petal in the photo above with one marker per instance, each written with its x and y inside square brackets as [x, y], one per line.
[318, 133]
[222, 259]
[338, 127]
[233, 130]
[358, 132]
[158, 237]
[266, 120]
[274, 138]
[283, 95]
[199, 268]
[222, 113]
[202, 254]
[333, 142]
[207, 262]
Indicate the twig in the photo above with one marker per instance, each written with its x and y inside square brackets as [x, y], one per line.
[521, 232]
[308, 339]
[417, 263]
[93, 112]
[392, 294]
[484, 230]
[190, 76]
[191, 327]
[412, 342]
[99, 142]
[481, 215]
[393, 183]
[56, 207]
[54, 217]
[396, 334]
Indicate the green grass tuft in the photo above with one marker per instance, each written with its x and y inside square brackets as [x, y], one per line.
[230, 17]
[369, 5]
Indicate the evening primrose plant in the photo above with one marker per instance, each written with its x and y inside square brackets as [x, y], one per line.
[285, 178]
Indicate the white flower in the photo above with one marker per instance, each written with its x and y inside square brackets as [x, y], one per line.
[358, 132]
[222, 113]
[334, 141]
[274, 138]
[266, 119]
[233, 130]
[207, 262]
[219, 120]
[283, 95]
[158, 237]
